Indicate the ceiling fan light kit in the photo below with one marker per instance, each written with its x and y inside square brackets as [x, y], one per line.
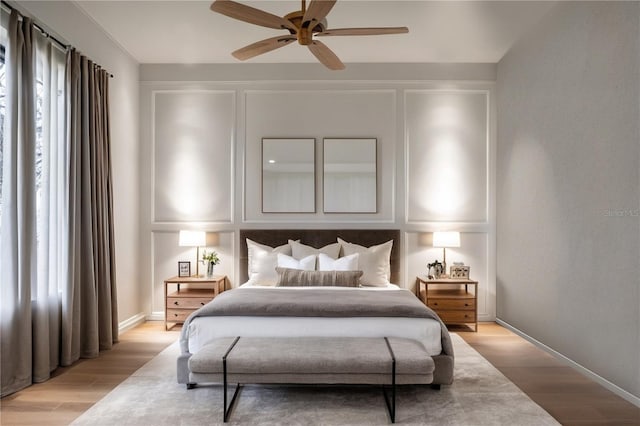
[303, 25]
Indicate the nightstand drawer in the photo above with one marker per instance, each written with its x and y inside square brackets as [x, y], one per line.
[187, 302]
[178, 315]
[188, 295]
[454, 304]
[457, 317]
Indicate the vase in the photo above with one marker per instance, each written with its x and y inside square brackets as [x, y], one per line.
[210, 268]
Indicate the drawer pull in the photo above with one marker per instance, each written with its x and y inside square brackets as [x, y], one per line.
[201, 303]
[176, 303]
[435, 304]
[175, 315]
[466, 304]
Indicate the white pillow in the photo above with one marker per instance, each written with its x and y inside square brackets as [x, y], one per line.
[345, 263]
[373, 261]
[306, 264]
[300, 250]
[262, 262]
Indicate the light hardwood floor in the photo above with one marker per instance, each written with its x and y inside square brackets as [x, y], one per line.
[74, 389]
[567, 395]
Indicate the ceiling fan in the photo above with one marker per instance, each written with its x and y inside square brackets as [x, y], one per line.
[303, 25]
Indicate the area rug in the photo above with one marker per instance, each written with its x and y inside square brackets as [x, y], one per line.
[480, 395]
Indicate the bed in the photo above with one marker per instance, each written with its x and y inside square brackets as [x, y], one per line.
[271, 319]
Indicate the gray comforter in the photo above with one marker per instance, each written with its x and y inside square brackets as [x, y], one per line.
[323, 302]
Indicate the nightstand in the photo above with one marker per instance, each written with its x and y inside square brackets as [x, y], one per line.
[455, 303]
[190, 294]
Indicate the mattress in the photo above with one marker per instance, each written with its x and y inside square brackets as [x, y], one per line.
[202, 330]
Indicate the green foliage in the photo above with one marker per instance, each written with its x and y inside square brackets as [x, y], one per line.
[211, 256]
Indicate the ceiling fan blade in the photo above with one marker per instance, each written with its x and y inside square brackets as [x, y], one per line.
[250, 14]
[317, 11]
[325, 55]
[263, 46]
[363, 31]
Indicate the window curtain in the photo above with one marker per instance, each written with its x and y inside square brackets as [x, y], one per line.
[57, 288]
[89, 308]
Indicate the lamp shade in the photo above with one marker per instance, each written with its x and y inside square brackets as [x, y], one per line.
[446, 239]
[192, 239]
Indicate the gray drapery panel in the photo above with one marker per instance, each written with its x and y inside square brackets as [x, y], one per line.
[89, 307]
[18, 268]
[57, 269]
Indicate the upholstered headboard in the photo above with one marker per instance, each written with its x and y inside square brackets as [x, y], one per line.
[319, 238]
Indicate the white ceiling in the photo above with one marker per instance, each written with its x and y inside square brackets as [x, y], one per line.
[439, 31]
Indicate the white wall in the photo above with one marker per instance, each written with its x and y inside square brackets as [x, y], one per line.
[67, 22]
[568, 188]
[446, 124]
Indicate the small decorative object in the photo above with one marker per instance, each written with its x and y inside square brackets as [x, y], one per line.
[459, 271]
[184, 269]
[435, 270]
[210, 259]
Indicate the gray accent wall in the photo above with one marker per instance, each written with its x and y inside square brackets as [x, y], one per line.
[568, 198]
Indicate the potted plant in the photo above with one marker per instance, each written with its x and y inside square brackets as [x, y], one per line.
[210, 259]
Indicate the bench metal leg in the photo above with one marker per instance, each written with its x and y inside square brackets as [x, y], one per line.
[435, 386]
[226, 410]
[391, 404]
[191, 385]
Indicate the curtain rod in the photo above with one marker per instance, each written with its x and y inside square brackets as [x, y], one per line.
[60, 44]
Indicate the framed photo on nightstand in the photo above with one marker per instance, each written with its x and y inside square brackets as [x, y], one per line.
[184, 269]
[459, 271]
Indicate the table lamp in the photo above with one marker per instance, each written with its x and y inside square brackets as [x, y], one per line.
[444, 240]
[193, 239]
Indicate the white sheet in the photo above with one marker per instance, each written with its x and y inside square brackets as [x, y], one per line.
[203, 330]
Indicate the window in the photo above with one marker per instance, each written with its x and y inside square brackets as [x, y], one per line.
[3, 84]
[3, 101]
[50, 165]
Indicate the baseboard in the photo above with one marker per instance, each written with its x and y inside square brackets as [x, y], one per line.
[156, 316]
[581, 369]
[131, 322]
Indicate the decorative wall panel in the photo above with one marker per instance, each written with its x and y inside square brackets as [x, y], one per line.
[320, 114]
[192, 156]
[447, 142]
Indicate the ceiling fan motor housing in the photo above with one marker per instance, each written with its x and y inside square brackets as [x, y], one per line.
[304, 34]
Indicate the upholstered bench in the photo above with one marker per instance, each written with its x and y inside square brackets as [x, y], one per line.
[311, 360]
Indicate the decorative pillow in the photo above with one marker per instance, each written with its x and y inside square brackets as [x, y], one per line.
[300, 250]
[262, 262]
[306, 264]
[345, 263]
[296, 278]
[374, 262]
